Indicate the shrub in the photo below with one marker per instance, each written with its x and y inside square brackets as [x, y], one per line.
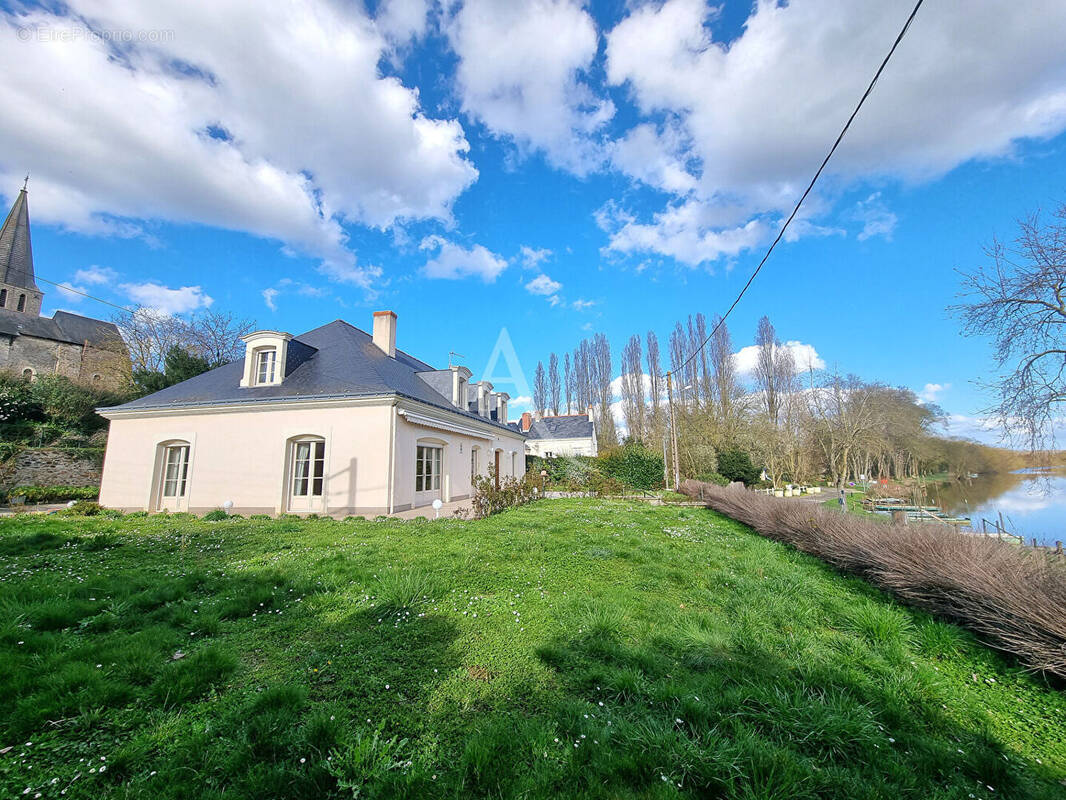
[735, 465]
[1014, 598]
[216, 515]
[488, 499]
[83, 508]
[55, 494]
[633, 465]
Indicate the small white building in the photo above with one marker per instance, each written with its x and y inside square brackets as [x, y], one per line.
[564, 435]
[334, 421]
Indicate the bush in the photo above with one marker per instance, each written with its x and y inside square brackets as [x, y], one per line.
[1012, 597]
[54, 494]
[488, 499]
[735, 465]
[83, 508]
[215, 516]
[632, 465]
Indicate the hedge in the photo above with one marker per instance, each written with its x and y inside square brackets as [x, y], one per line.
[54, 494]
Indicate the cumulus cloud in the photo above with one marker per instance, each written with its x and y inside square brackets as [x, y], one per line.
[453, 261]
[96, 276]
[286, 140]
[520, 74]
[165, 300]
[531, 257]
[932, 391]
[876, 219]
[270, 297]
[582, 305]
[747, 121]
[804, 356]
[72, 292]
[543, 285]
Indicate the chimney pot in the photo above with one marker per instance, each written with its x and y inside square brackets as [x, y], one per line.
[527, 420]
[385, 332]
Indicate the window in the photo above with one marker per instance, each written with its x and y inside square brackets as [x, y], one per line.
[308, 468]
[265, 364]
[3, 298]
[96, 377]
[175, 470]
[461, 399]
[22, 302]
[514, 465]
[473, 463]
[427, 468]
[27, 374]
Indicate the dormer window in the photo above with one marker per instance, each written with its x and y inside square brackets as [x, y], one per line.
[266, 366]
[460, 386]
[265, 358]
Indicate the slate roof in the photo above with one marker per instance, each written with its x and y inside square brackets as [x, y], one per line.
[336, 360]
[62, 327]
[16, 255]
[571, 426]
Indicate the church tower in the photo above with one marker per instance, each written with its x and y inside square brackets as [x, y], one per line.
[18, 288]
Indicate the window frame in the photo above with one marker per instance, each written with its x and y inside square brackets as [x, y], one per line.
[429, 463]
[307, 467]
[270, 376]
[174, 472]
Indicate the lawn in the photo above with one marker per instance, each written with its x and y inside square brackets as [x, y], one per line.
[572, 648]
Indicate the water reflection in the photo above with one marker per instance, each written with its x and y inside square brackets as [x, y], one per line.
[1033, 503]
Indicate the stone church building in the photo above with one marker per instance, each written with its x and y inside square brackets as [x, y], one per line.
[84, 349]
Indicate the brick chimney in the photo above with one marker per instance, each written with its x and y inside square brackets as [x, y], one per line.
[385, 332]
[527, 420]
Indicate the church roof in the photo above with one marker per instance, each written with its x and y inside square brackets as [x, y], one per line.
[16, 255]
[62, 327]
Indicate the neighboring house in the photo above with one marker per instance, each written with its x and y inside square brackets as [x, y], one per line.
[334, 421]
[83, 349]
[565, 435]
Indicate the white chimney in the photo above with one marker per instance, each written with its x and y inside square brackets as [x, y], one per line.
[385, 332]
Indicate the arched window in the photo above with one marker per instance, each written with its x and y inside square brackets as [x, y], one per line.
[22, 302]
[96, 377]
[27, 374]
[175, 472]
[266, 364]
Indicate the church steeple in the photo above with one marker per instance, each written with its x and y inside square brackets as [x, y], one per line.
[18, 287]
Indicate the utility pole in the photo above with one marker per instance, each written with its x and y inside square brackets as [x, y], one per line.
[666, 463]
[673, 429]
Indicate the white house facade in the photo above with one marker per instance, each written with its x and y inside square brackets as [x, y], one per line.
[332, 422]
[564, 435]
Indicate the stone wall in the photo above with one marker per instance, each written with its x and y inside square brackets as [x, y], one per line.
[99, 367]
[51, 466]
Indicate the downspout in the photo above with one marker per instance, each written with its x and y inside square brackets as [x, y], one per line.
[392, 457]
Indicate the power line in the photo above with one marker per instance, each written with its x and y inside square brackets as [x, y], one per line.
[810, 186]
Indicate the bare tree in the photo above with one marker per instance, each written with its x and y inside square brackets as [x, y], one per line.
[216, 336]
[1019, 300]
[766, 369]
[633, 401]
[600, 386]
[727, 390]
[655, 373]
[554, 387]
[149, 336]
[540, 390]
[568, 382]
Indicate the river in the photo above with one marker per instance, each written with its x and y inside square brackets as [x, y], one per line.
[1033, 502]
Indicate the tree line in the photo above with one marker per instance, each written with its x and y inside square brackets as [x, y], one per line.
[798, 424]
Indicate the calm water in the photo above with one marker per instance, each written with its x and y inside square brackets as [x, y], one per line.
[1033, 503]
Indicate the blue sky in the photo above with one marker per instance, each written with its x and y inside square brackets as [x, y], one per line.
[552, 168]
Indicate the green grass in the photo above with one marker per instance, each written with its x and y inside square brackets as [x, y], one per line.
[572, 648]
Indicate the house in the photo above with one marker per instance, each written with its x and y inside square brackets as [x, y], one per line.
[334, 421]
[564, 435]
[83, 349]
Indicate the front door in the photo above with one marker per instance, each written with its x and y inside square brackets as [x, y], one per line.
[307, 471]
[497, 469]
[174, 478]
[429, 461]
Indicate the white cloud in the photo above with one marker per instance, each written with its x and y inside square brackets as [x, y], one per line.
[285, 139]
[72, 292]
[96, 276]
[403, 20]
[804, 356]
[165, 300]
[583, 305]
[454, 261]
[532, 257]
[931, 392]
[543, 285]
[520, 73]
[270, 297]
[743, 124]
[876, 219]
